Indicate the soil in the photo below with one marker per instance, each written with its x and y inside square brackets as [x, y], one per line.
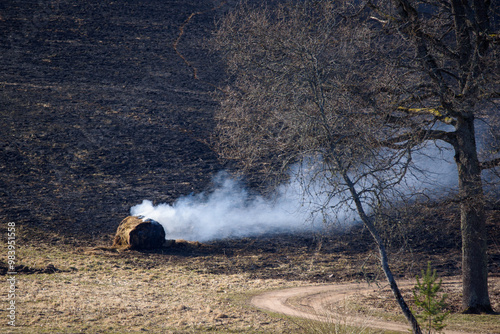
[100, 111]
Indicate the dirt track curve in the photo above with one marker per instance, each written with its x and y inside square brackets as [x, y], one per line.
[312, 302]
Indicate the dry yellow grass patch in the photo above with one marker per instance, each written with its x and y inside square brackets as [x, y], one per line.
[108, 294]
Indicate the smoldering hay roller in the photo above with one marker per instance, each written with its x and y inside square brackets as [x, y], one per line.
[138, 233]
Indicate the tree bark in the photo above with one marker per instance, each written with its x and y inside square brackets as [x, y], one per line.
[471, 25]
[473, 221]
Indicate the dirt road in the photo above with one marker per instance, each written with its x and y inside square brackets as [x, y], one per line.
[312, 302]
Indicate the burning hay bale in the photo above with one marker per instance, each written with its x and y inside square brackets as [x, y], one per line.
[135, 233]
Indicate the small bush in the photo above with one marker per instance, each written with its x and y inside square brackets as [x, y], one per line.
[425, 295]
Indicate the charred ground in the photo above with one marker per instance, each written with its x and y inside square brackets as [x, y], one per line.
[99, 112]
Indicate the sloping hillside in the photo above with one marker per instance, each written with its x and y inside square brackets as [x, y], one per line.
[98, 111]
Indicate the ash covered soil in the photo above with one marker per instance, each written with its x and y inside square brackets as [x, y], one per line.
[99, 111]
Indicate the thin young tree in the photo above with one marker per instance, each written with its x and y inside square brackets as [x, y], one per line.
[291, 100]
[364, 85]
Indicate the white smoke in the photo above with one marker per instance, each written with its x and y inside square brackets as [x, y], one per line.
[230, 210]
[433, 171]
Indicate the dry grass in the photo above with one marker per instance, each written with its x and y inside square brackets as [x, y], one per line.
[200, 288]
[326, 323]
[380, 303]
[194, 289]
[102, 293]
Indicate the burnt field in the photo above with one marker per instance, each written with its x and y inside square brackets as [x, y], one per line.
[99, 110]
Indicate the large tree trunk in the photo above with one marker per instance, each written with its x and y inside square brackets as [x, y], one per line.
[473, 221]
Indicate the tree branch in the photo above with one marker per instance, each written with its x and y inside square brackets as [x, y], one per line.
[418, 137]
[433, 111]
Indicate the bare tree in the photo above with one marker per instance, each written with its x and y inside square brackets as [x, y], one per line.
[292, 98]
[449, 67]
[365, 84]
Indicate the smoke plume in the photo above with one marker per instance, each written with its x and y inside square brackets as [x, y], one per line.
[231, 210]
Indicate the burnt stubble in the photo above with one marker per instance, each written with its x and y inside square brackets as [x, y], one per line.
[99, 110]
